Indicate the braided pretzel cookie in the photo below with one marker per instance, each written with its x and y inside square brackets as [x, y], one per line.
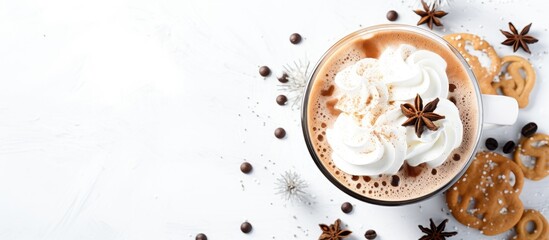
[541, 230]
[484, 75]
[512, 83]
[537, 147]
[497, 207]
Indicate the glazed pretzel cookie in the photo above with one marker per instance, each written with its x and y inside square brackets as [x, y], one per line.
[484, 197]
[541, 230]
[536, 147]
[484, 75]
[517, 79]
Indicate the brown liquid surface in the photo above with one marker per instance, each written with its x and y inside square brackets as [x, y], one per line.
[412, 182]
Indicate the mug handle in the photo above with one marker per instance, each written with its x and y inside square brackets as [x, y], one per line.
[499, 110]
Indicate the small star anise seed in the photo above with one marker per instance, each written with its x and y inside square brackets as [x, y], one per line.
[430, 15]
[419, 116]
[435, 232]
[516, 39]
[333, 232]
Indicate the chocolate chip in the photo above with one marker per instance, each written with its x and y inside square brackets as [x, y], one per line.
[346, 207]
[280, 133]
[281, 100]
[392, 15]
[452, 87]
[508, 147]
[456, 157]
[283, 78]
[370, 234]
[246, 227]
[264, 71]
[295, 38]
[491, 144]
[201, 236]
[246, 167]
[529, 129]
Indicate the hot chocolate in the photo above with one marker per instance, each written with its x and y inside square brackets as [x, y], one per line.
[353, 115]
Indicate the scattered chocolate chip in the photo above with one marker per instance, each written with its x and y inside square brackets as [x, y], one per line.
[246, 167]
[434, 171]
[392, 15]
[491, 144]
[246, 227]
[283, 78]
[370, 234]
[281, 100]
[529, 129]
[295, 38]
[201, 236]
[508, 147]
[452, 87]
[264, 71]
[346, 207]
[280, 133]
[456, 157]
[395, 180]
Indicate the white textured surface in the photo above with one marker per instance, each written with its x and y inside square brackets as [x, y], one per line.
[129, 119]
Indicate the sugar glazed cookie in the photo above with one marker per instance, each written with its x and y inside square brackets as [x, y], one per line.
[485, 75]
[536, 150]
[517, 79]
[486, 197]
[541, 227]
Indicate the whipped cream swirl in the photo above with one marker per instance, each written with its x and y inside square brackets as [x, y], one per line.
[433, 147]
[367, 137]
[410, 72]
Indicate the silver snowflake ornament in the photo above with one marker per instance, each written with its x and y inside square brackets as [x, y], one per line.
[291, 187]
[298, 75]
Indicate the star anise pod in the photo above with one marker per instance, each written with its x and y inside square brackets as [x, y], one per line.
[430, 15]
[518, 40]
[436, 232]
[333, 232]
[420, 116]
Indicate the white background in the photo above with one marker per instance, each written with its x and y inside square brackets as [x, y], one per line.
[129, 119]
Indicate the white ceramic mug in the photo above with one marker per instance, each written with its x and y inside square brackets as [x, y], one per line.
[493, 110]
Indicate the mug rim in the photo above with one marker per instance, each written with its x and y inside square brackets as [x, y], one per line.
[373, 29]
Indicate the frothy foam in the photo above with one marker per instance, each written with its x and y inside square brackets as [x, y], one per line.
[401, 186]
